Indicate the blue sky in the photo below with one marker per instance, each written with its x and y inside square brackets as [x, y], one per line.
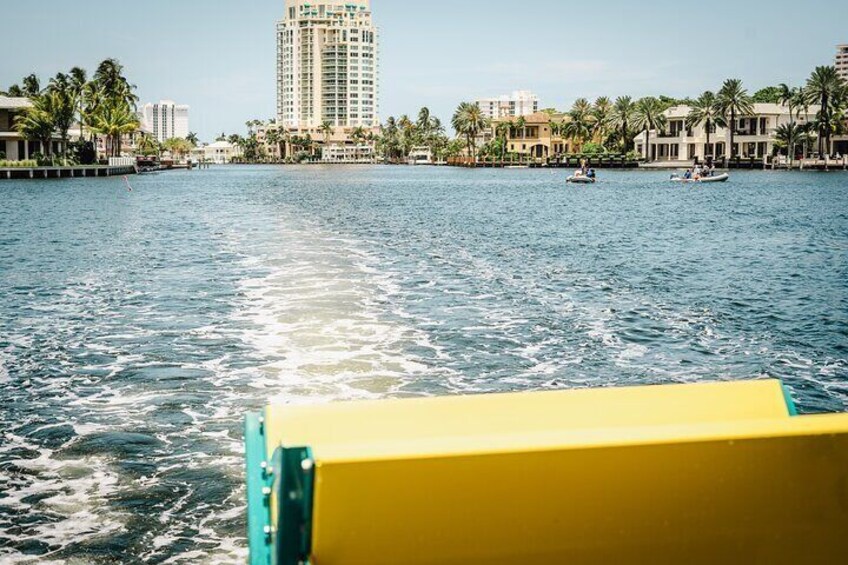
[219, 55]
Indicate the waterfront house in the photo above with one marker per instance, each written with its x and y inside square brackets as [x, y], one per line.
[421, 155]
[219, 153]
[755, 135]
[538, 138]
[13, 146]
[348, 153]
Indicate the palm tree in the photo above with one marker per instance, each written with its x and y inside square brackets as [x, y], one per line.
[791, 135]
[32, 86]
[147, 145]
[64, 106]
[705, 111]
[358, 135]
[192, 138]
[327, 130]
[502, 132]
[423, 124]
[113, 85]
[827, 89]
[406, 131]
[649, 115]
[468, 121]
[78, 81]
[389, 143]
[114, 118]
[580, 122]
[15, 91]
[601, 115]
[273, 137]
[733, 101]
[37, 122]
[792, 98]
[621, 119]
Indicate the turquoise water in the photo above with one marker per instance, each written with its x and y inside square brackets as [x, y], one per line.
[136, 328]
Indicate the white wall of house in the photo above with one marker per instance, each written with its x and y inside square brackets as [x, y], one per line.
[755, 135]
[220, 152]
[362, 153]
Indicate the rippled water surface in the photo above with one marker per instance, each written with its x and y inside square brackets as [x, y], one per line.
[136, 328]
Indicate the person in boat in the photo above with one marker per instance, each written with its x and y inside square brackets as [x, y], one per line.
[591, 173]
[687, 175]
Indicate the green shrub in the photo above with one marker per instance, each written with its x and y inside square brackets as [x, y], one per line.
[593, 149]
[6, 164]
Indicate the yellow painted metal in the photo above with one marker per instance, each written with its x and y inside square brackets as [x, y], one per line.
[698, 474]
[509, 414]
[748, 492]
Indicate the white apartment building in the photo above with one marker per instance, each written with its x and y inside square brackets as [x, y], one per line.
[842, 60]
[519, 103]
[755, 135]
[327, 65]
[165, 120]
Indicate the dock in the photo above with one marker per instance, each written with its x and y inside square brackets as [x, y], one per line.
[81, 171]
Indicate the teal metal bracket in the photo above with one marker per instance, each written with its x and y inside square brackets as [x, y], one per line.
[790, 404]
[294, 472]
[258, 482]
[289, 476]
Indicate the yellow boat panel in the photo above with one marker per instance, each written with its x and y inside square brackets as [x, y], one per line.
[399, 422]
[746, 492]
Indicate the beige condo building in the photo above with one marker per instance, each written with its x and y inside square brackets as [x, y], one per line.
[327, 65]
[842, 60]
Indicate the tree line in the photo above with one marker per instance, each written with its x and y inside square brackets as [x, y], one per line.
[105, 106]
[612, 125]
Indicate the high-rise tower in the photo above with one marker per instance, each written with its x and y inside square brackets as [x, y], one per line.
[327, 65]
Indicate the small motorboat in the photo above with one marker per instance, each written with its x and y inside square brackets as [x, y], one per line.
[724, 177]
[581, 180]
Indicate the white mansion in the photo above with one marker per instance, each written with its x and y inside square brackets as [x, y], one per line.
[755, 135]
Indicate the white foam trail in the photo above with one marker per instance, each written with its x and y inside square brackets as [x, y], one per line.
[321, 318]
